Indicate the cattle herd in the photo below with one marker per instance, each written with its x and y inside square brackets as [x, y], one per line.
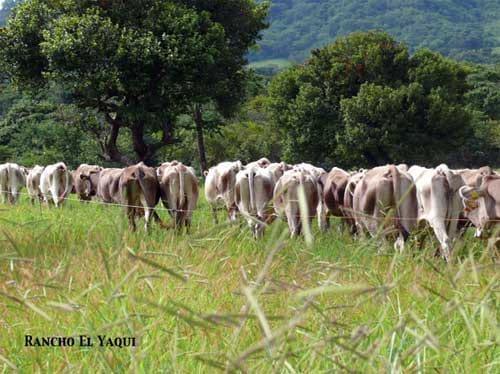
[388, 201]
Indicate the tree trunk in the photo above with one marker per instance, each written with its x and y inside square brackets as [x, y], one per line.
[141, 149]
[198, 120]
[111, 152]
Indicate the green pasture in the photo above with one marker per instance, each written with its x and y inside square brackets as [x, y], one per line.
[214, 299]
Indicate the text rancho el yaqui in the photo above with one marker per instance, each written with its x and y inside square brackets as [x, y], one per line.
[80, 341]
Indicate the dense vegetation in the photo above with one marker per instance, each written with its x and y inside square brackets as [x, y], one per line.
[462, 29]
[216, 298]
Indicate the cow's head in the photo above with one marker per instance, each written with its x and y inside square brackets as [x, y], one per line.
[471, 200]
[237, 166]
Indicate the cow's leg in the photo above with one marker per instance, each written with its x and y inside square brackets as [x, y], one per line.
[15, 195]
[214, 214]
[11, 196]
[3, 194]
[131, 218]
[322, 219]
[147, 217]
[232, 210]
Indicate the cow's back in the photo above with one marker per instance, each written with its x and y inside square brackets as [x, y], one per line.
[108, 185]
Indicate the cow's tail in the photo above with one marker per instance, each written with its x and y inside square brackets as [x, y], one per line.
[251, 174]
[446, 172]
[182, 192]
[8, 178]
[398, 197]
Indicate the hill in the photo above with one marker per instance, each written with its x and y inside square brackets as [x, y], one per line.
[462, 29]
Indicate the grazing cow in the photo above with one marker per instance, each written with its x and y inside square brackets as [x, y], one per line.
[473, 177]
[439, 202]
[85, 180]
[348, 206]
[108, 185]
[333, 193]
[320, 175]
[219, 187]
[382, 189]
[33, 183]
[482, 203]
[12, 180]
[253, 193]
[286, 198]
[277, 169]
[55, 183]
[178, 190]
[139, 192]
[261, 163]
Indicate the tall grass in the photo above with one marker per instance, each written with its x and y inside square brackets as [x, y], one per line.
[215, 299]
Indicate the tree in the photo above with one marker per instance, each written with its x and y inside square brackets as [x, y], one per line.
[43, 129]
[363, 101]
[305, 99]
[148, 61]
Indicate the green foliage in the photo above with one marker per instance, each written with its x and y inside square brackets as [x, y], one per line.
[461, 29]
[40, 130]
[140, 64]
[363, 101]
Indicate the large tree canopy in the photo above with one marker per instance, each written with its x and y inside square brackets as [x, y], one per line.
[140, 63]
[364, 101]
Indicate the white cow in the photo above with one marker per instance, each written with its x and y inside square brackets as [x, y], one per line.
[12, 180]
[253, 193]
[219, 187]
[55, 183]
[33, 183]
[286, 198]
[439, 202]
[320, 175]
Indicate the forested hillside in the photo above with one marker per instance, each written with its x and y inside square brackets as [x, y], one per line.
[462, 29]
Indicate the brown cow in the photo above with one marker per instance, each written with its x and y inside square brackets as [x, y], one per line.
[482, 204]
[139, 189]
[381, 190]
[253, 193]
[85, 179]
[333, 193]
[179, 191]
[348, 205]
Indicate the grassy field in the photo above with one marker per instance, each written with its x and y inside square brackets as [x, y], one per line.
[215, 299]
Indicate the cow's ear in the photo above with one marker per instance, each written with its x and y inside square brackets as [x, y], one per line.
[158, 172]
